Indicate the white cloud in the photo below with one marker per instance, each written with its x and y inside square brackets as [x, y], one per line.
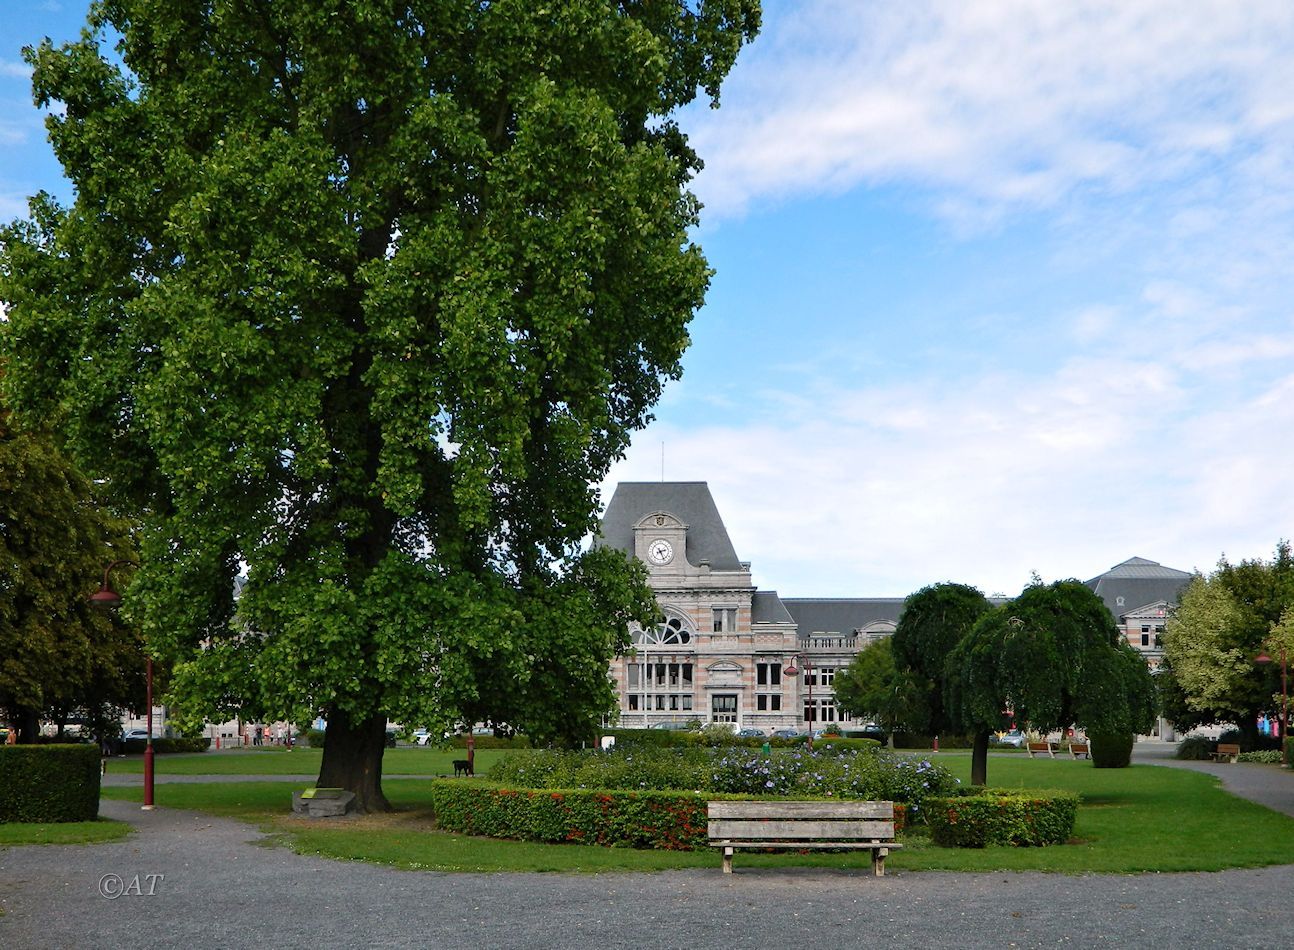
[1011, 103]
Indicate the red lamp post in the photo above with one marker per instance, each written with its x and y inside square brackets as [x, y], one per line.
[808, 679]
[105, 598]
[1264, 658]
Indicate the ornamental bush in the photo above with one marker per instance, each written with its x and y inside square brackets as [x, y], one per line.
[670, 821]
[1111, 751]
[1002, 816]
[40, 783]
[1194, 748]
[867, 773]
[137, 746]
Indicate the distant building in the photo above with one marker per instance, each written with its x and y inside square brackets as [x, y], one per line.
[722, 647]
[1140, 593]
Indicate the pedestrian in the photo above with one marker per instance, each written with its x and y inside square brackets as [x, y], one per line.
[12, 738]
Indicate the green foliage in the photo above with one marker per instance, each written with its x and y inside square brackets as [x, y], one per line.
[368, 298]
[315, 738]
[56, 538]
[1055, 657]
[670, 821]
[1263, 756]
[1195, 748]
[868, 773]
[1111, 750]
[871, 687]
[1223, 622]
[164, 745]
[489, 742]
[40, 783]
[676, 738]
[934, 620]
[1002, 817]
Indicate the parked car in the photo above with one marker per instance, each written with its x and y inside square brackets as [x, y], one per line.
[787, 733]
[140, 734]
[676, 725]
[421, 737]
[750, 733]
[1014, 738]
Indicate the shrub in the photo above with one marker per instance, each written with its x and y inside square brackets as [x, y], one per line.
[1264, 756]
[1113, 751]
[40, 783]
[1195, 748]
[315, 738]
[137, 746]
[489, 742]
[661, 820]
[1002, 816]
[672, 821]
[912, 740]
[870, 774]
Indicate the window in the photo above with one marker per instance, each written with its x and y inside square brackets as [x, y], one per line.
[633, 702]
[1159, 641]
[827, 708]
[1145, 639]
[1145, 628]
[671, 632]
[828, 674]
[810, 713]
[765, 702]
[768, 674]
[725, 619]
[631, 675]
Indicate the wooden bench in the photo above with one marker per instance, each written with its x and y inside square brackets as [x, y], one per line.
[1227, 752]
[1041, 748]
[799, 825]
[1079, 750]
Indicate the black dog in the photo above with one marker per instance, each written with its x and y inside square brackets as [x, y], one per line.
[462, 767]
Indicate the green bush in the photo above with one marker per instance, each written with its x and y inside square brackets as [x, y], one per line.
[315, 738]
[1113, 751]
[1195, 748]
[671, 821]
[137, 746]
[490, 742]
[916, 741]
[1002, 816]
[47, 783]
[1264, 756]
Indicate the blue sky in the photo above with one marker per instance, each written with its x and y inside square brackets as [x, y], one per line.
[1000, 287]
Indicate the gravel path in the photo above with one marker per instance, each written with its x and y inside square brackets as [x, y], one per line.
[195, 881]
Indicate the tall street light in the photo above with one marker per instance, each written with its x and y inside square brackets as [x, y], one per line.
[808, 679]
[106, 598]
[1264, 658]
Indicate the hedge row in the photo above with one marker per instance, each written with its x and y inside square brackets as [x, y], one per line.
[41, 783]
[663, 821]
[137, 746]
[1002, 816]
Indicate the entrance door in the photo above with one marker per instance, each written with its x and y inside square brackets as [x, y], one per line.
[723, 707]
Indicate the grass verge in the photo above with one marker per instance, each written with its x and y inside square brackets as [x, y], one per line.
[66, 832]
[1141, 819]
[273, 760]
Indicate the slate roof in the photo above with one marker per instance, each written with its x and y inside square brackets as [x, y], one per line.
[767, 607]
[841, 615]
[707, 538]
[1138, 582]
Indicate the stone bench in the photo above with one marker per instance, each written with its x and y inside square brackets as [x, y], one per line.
[323, 802]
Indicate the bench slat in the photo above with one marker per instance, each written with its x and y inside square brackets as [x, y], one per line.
[766, 809]
[843, 845]
[799, 830]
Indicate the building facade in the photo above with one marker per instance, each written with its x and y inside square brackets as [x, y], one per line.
[726, 652]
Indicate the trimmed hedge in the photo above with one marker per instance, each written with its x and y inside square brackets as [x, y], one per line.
[1111, 751]
[659, 820]
[45, 783]
[1002, 816]
[912, 740]
[137, 746]
[679, 738]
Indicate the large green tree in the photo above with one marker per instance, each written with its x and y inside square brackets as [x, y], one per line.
[1055, 657]
[934, 620]
[367, 296]
[58, 656]
[1222, 623]
[872, 687]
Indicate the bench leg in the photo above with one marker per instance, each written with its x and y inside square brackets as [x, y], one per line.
[878, 861]
[727, 860]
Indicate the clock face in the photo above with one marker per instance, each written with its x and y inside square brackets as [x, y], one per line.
[660, 552]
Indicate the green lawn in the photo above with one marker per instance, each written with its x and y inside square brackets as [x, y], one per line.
[65, 832]
[1145, 818]
[271, 760]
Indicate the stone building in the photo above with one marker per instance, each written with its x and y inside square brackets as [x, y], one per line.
[723, 649]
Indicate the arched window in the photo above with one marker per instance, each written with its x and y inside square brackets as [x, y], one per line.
[672, 632]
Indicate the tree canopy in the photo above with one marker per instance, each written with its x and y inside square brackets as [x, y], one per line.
[58, 656]
[1055, 657]
[934, 620]
[1223, 622]
[366, 298]
[872, 687]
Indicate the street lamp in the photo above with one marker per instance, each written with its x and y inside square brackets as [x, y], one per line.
[808, 679]
[1264, 659]
[105, 598]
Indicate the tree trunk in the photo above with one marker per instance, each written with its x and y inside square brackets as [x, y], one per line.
[27, 719]
[979, 759]
[352, 760]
